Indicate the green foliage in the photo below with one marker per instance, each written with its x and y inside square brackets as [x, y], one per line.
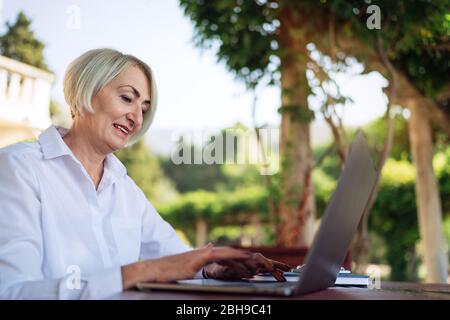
[232, 235]
[414, 34]
[375, 133]
[415, 37]
[190, 177]
[214, 192]
[239, 175]
[145, 170]
[394, 215]
[214, 207]
[324, 186]
[446, 225]
[244, 33]
[376, 137]
[226, 175]
[394, 218]
[226, 235]
[54, 109]
[441, 163]
[19, 43]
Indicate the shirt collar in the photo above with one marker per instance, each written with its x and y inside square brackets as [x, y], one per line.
[53, 146]
[113, 165]
[52, 143]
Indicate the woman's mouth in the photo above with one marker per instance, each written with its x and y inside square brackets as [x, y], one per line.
[123, 130]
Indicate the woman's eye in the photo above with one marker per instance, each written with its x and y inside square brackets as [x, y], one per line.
[126, 98]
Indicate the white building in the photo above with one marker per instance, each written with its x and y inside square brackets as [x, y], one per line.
[24, 101]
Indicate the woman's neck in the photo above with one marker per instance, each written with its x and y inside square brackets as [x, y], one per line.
[81, 146]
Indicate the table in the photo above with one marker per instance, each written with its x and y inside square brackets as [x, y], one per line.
[387, 291]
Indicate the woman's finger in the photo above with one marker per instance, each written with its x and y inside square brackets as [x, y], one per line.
[272, 264]
[278, 275]
[281, 265]
[266, 264]
[276, 268]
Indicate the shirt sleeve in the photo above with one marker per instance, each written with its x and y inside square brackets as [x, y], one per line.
[159, 238]
[21, 248]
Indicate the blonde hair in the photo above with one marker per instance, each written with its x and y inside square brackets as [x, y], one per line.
[92, 71]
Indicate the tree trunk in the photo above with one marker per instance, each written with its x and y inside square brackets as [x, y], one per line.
[296, 208]
[427, 194]
[201, 229]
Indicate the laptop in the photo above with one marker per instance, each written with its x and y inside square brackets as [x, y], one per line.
[324, 259]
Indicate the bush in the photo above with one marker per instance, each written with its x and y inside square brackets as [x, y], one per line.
[394, 216]
[214, 206]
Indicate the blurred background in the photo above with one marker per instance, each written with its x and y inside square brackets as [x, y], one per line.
[313, 72]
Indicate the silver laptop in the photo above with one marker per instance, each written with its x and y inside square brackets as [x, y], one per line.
[327, 253]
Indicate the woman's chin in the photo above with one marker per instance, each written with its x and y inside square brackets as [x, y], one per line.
[117, 145]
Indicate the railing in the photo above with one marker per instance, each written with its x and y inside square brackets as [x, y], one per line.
[24, 94]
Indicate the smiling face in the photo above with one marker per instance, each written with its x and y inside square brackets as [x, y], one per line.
[118, 110]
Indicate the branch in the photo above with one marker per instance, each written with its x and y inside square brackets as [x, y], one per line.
[337, 139]
[323, 156]
[389, 134]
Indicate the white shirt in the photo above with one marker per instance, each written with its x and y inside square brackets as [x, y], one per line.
[54, 224]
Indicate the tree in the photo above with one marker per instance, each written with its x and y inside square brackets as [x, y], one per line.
[190, 176]
[199, 210]
[414, 38]
[256, 41]
[219, 173]
[411, 45]
[393, 220]
[19, 43]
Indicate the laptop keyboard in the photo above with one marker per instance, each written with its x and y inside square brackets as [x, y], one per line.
[249, 283]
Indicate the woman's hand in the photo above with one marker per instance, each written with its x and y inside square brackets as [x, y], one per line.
[246, 268]
[181, 266]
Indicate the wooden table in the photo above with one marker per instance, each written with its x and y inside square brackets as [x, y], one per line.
[388, 291]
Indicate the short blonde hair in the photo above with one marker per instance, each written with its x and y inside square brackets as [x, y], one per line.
[92, 71]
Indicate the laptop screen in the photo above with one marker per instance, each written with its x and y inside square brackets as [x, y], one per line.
[340, 220]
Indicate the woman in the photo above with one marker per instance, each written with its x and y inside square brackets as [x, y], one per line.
[72, 223]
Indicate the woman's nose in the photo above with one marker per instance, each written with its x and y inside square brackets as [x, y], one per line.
[130, 122]
[135, 119]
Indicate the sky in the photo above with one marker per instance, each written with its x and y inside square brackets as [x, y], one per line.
[195, 91]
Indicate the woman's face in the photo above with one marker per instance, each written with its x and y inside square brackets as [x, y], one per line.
[118, 110]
